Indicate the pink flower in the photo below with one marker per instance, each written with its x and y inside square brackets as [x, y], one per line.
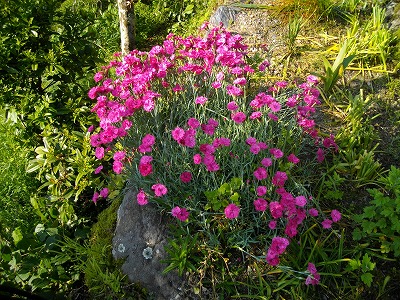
[272, 224]
[251, 141]
[220, 76]
[326, 224]
[273, 117]
[320, 155]
[274, 106]
[240, 81]
[197, 159]
[293, 159]
[279, 178]
[301, 201]
[312, 79]
[104, 192]
[95, 197]
[279, 245]
[314, 276]
[260, 173]
[255, 115]
[141, 198]
[232, 106]
[276, 209]
[180, 213]
[234, 91]
[145, 169]
[90, 129]
[177, 88]
[336, 215]
[193, 123]
[255, 148]
[99, 152]
[201, 100]
[178, 134]
[98, 76]
[98, 169]
[238, 117]
[117, 166]
[261, 190]
[186, 177]
[148, 140]
[277, 153]
[313, 212]
[119, 155]
[216, 84]
[266, 162]
[159, 189]
[232, 211]
[146, 159]
[260, 204]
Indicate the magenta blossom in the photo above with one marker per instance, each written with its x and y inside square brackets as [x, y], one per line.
[232, 106]
[180, 213]
[261, 190]
[232, 211]
[98, 169]
[336, 215]
[313, 212]
[260, 173]
[293, 159]
[201, 100]
[277, 153]
[159, 189]
[141, 198]
[260, 204]
[104, 193]
[326, 224]
[238, 117]
[186, 177]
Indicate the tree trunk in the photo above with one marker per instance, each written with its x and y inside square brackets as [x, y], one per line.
[126, 25]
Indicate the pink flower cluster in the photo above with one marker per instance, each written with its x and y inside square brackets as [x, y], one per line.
[216, 65]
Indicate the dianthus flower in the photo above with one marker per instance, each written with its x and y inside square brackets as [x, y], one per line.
[232, 106]
[255, 115]
[197, 159]
[273, 117]
[301, 201]
[178, 134]
[326, 224]
[104, 192]
[274, 106]
[234, 91]
[261, 190]
[276, 209]
[238, 117]
[293, 159]
[98, 169]
[193, 123]
[251, 140]
[201, 100]
[260, 204]
[314, 276]
[95, 197]
[232, 211]
[260, 173]
[117, 166]
[99, 152]
[320, 155]
[277, 153]
[159, 189]
[272, 224]
[313, 212]
[186, 177]
[266, 162]
[141, 198]
[336, 215]
[119, 155]
[180, 213]
[279, 178]
[145, 169]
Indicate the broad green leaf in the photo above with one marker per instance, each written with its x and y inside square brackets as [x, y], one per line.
[367, 279]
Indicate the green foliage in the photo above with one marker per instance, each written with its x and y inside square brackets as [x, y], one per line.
[182, 254]
[225, 194]
[294, 27]
[334, 72]
[15, 185]
[365, 267]
[381, 219]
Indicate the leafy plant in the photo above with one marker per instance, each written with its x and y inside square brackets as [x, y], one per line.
[182, 254]
[365, 266]
[380, 220]
[335, 71]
